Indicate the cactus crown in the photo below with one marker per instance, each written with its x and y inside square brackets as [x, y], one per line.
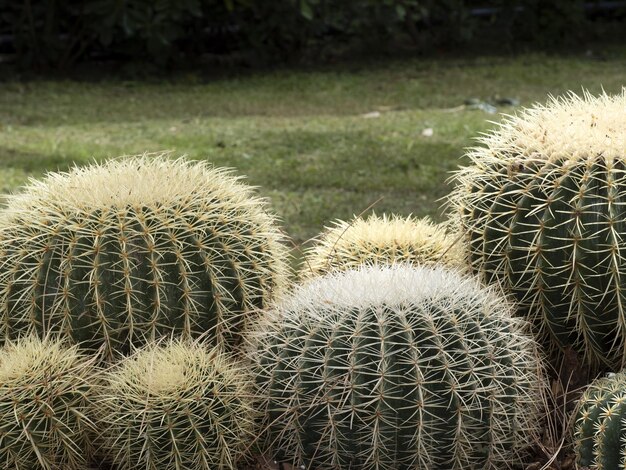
[44, 392]
[175, 404]
[542, 212]
[149, 180]
[567, 128]
[396, 367]
[137, 248]
[379, 240]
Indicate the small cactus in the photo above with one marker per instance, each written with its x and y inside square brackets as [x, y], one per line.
[542, 209]
[45, 388]
[396, 367]
[134, 249]
[380, 240]
[600, 426]
[174, 405]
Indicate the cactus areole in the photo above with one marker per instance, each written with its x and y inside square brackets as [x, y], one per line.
[136, 248]
[397, 368]
[543, 211]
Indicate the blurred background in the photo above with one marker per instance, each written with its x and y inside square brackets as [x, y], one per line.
[331, 108]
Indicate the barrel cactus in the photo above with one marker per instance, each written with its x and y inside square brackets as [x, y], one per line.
[542, 209]
[137, 248]
[45, 388]
[380, 240]
[600, 426]
[174, 405]
[396, 367]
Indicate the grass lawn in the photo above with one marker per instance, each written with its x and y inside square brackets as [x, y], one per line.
[307, 139]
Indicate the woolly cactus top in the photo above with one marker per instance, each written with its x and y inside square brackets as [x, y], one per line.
[380, 239]
[403, 283]
[145, 180]
[31, 360]
[568, 128]
[175, 371]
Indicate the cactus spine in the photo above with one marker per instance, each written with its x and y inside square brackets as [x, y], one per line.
[174, 405]
[396, 367]
[600, 429]
[45, 388]
[134, 249]
[543, 211]
[380, 240]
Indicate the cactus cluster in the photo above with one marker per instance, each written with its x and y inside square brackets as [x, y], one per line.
[134, 249]
[396, 367]
[45, 386]
[600, 426]
[380, 240]
[542, 209]
[174, 405]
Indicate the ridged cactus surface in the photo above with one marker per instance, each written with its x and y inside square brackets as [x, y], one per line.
[134, 249]
[177, 405]
[600, 427]
[382, 239]
[396, 367]
[45, 389]
[543, 211]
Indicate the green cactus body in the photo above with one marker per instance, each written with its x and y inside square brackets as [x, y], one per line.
[45, 388]
[177, 405]
[380, 240]
[396, 367]
[543, 212]
[600, 427]
[134, 249]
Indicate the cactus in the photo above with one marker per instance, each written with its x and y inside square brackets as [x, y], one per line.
[134, 249]
[174, 405]
[542, 210]
[380, 240]
[45, 387]
[396, 367]
[600, 426]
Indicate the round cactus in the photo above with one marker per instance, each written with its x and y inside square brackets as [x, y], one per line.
[174, 405]
[134, 249]
[380, 240]
[45, 387]
[396, 367]
[600, 427]
[543, 211]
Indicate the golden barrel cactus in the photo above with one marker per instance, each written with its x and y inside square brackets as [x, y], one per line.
[542, 208]
[137, 248]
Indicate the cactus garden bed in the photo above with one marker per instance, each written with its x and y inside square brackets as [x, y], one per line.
[151, 315]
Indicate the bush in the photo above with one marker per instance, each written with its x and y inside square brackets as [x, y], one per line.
[48, 34]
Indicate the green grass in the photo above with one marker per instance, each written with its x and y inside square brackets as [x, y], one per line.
[300, 136]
